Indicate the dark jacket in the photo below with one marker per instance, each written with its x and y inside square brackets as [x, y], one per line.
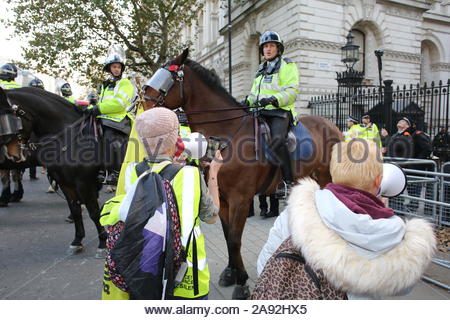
[422, 144]
[400, 145]
[441, 146]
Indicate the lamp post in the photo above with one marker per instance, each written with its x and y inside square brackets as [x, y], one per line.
[350, 78]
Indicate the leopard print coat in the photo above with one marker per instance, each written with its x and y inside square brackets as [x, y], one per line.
[286, 276]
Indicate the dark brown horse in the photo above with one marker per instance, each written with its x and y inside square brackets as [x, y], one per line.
[212, 111]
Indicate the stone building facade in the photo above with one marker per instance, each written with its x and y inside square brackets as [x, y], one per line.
[414, 34]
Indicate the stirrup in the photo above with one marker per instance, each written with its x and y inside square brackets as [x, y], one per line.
[283, 190]
[112, 178]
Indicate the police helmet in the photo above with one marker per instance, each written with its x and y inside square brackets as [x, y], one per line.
[8, 72]
[271, 36]
[353, 119]
[115, 58]
[36, 82]
[92, 98]
[66, 90]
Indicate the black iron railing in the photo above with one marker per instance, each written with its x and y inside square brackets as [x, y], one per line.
[428, 106]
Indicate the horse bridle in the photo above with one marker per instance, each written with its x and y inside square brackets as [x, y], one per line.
[162, 81]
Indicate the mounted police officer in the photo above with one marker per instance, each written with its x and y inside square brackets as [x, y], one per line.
[37, 83]
[116, 95]
[8, 74]
[66, 91]
[275, 90]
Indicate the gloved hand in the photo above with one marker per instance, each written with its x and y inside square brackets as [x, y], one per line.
[245, 103]
[94, 111]
[267, 101]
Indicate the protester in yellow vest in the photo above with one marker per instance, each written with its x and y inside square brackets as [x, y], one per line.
[158, 130]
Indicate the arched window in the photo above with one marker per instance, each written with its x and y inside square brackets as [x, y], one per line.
[429, 56]
[360, 40]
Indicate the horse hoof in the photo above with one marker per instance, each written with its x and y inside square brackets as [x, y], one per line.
[227, 277]
[101, 254]
[241, 292]
[73, 250]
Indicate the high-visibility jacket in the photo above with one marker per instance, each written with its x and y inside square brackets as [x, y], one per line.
[371, 133]
[135, 153]
[353, 132]
[9, 84]
[70, 99]
[184, 131]
[282, 83]
[115, 97]
[186, 186]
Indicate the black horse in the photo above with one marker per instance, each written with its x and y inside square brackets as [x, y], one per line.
[65, 142]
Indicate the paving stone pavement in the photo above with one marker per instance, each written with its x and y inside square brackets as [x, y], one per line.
[34, 237]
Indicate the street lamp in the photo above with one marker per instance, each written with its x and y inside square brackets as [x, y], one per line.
[348, 81]
[350, 52]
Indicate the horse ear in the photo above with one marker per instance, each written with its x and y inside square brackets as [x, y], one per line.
[182, 57]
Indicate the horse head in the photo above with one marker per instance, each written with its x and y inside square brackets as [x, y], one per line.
[165, 88]
[10, 128]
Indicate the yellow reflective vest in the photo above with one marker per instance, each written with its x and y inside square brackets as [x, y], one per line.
[135, 153]
[115, 99]
[283, 84]
[9, 85]
[371, 133]
[353, 132]
[184, 131]
[186, 186]
[70, 99]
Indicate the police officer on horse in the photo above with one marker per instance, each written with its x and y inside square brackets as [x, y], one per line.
[66, 92]
[275, 90]
[116, 95]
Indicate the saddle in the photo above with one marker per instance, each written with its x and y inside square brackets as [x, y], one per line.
[299, 141]
[123, 126]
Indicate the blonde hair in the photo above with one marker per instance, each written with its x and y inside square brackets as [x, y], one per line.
[356, 163]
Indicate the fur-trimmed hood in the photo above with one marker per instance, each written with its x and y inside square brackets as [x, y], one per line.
[394, 270]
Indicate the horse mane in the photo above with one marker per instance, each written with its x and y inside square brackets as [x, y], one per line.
[210, 78]
[51, 96]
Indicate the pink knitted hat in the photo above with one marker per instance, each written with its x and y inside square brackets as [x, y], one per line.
[157, 129]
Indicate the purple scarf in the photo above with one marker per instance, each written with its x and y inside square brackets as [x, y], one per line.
[360, 201]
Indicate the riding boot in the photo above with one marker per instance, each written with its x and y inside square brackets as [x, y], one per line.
[274, 203]
[284, 188]
[263, 205]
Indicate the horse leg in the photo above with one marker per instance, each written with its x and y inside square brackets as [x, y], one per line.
[6, 189]
[75, 211]
[90, 200]
[16, 176]
[228, 275]
[238, 216]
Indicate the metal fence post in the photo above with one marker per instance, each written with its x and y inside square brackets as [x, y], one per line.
[388, 90]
